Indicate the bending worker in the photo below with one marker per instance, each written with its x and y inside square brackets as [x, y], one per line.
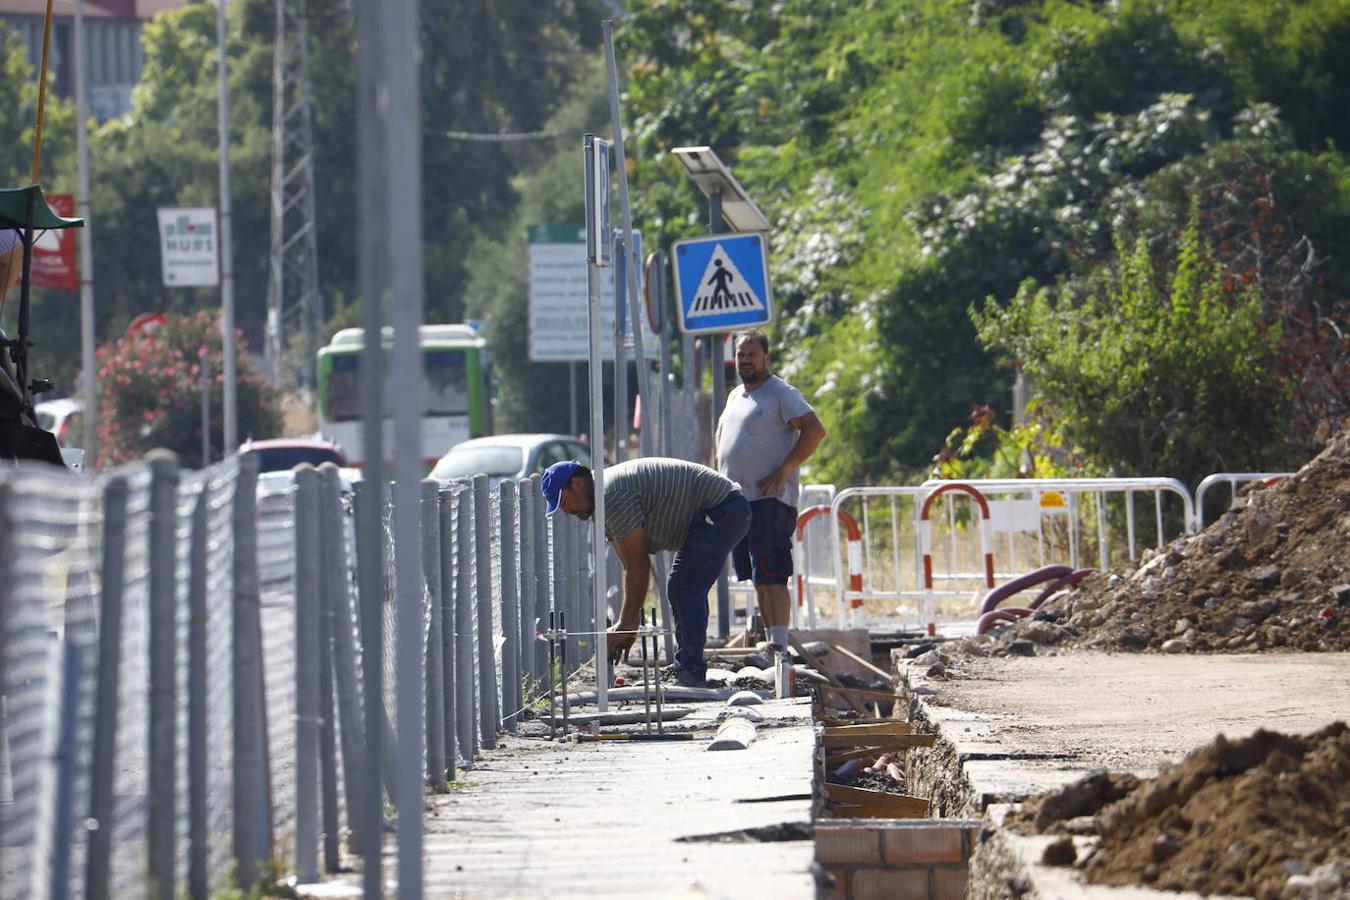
[655, 504]
[767, 430]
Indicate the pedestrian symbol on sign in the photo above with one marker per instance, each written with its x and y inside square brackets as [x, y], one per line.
[724, 288]
[722, 283]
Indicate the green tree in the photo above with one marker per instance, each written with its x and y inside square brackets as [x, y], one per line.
[150, 392]
[1153, 366]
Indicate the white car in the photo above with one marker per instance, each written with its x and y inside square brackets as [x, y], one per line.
[509, 456]
[62, 418]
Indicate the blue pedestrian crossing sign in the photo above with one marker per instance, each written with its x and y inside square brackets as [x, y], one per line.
[722, 282]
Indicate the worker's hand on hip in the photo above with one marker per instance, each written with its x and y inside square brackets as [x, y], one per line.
[620, 639]
[770, 486]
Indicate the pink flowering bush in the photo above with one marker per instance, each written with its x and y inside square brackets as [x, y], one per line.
[151, 392]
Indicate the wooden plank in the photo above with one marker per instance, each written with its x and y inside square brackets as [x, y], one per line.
[866, 664]
[836, 757]
[892, 727]
[835, 721]
[834, 682]
[864, 803]
[890, 742]
[860, 692]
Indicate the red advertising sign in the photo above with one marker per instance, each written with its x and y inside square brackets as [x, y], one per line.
[54, 250]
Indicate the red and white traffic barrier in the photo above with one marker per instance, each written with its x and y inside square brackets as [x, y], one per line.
[926, 536]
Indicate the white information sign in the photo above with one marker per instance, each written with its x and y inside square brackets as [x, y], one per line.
[188, 249]
[558, 314]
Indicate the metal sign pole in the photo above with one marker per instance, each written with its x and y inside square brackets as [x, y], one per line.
[597, 228]
[716, 225]
[228, 374]
[88, 359]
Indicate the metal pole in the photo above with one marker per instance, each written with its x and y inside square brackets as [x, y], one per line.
[630, 257]
[198, 887]
[338, 616]
[448, 533]
[7, 591]
[370, 526]
[435, 679]
[402, 222]
[88, 362]
[466, 712]
[161, 846]
[328, 775]
[593, 218]
[543, 601]
[307, 626]
[510, 606]
[112, 570]
[227, 330]
[206, 407]
[621, 419]
[66, 694]
[250, 790]
[527, 581]
[572, 396]
[489, 711]
[719, 400]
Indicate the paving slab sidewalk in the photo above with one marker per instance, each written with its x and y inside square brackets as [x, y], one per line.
[1021, 725]
[543, 819]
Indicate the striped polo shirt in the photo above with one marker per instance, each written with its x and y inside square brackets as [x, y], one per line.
[661, 496]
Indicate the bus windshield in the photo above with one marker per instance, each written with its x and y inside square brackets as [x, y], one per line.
[445, 391]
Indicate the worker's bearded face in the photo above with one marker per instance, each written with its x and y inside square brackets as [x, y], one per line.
[752, 363]
[578, 498]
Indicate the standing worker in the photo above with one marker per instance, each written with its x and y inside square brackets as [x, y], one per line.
[655, 504]
[766, 432]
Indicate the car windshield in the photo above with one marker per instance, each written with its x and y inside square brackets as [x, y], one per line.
[494, 461]
[281, 459]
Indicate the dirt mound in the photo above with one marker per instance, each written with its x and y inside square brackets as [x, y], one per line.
[1267, 816]
[1272, 572]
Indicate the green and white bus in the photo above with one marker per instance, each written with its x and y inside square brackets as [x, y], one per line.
[456, 402]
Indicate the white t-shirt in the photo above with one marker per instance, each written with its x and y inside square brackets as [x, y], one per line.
[755, 436]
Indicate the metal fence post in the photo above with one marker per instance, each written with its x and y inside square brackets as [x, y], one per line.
[251, 842]
[466, 710]
[435, 682]
[370, 597]
[306, 674]
[489, 711]
[510, 607]
[527, 582]
[64, 691]
[105, 703]
[445, 512]
[198, 887]
[543, 582]
[337, 596]
[161, 849]
[328, 775]
[562, 571]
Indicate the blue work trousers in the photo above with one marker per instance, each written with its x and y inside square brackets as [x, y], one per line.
[712, 535]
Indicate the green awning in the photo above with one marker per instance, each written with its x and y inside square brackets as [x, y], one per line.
[14, 205]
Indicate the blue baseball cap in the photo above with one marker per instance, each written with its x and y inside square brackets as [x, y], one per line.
[555, 479]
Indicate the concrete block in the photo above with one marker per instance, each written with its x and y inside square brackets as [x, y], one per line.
[921, 844]
[847, 845]
[949, 884]
[890, 884]
[838, 889]
[734, 734]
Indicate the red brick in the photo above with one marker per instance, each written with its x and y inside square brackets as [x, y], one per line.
[923, 844]
[838, 890]
[889, 884]
[849, 844]
[949, 884]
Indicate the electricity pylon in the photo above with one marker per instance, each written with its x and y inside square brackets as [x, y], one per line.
[293, 299]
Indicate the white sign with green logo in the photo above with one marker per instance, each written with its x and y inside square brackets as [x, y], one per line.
[187, 243]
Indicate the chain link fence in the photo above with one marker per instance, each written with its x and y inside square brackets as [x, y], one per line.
[184, 705]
